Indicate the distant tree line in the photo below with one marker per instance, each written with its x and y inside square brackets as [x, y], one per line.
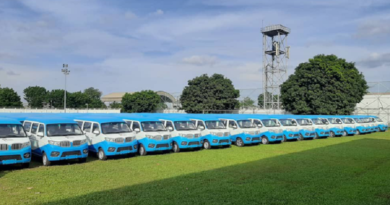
[325, 84]
[39, 97]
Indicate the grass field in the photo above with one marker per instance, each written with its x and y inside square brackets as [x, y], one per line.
[346, 170]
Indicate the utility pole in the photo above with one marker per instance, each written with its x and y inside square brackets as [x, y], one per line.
[66, 72]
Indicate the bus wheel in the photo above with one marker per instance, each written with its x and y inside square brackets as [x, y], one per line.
[300, 138]
[101, 154]
[315, 136]
[45, 160]
[345, 133]
[358, 132]
[332, 134]
[264, 140]
[176, 147]
[142, 150]
[206, 144]
[239, 142]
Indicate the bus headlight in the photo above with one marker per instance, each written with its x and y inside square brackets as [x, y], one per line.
[56, 143]
[26, 144]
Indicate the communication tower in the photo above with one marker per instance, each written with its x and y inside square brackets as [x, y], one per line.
[275, 56]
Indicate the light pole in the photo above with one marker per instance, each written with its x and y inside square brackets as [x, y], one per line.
[66, 72]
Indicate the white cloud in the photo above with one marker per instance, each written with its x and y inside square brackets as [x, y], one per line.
[12, 73]
[201, 60]
[375, 60]
[158, 12]
[250, 72]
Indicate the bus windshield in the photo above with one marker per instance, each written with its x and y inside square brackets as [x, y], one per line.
[304, 122]
[184, 125]
[153, 126]
[288, 122]
[11, 130]
[215, 124]
[246, 124]
[65, 129]
[115, 127]
[317, 121]
[270, 123]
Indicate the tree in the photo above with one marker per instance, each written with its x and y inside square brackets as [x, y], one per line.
[260, 100]
[35, 96]
[325, 85]
[95, 95]
[247, 102]
[144, 101]
[209, 93]
[78, 100]
[9, 98]
[116, 105]
[56, 98]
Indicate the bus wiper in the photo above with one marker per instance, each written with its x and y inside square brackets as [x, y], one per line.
[14, 136]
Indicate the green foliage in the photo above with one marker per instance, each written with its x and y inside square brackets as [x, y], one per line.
[325, 85]
[78, 100]
[209, 93]
[144, 101]
[260, 100]
[9, 98]
[56, 98]
[247, 102]
[36, 96]
[116, 105]
[94, 95]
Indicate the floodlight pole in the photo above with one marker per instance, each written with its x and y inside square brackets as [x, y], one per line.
[66, 72]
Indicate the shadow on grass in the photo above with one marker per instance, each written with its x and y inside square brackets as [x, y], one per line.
[355, 172]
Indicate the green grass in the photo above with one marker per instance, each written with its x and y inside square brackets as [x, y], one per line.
[346, 170]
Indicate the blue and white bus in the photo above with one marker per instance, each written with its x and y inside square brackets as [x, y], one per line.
[15, 146]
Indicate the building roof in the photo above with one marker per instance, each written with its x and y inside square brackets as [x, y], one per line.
[117, 97]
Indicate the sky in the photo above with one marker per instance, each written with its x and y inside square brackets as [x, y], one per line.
[132, 45]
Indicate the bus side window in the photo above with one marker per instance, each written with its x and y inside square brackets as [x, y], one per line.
[136, 125]
[232, 124]
[95, 127]
[169, 124]
[200, 123]
[34, 128]
[41, 129]
[87, 127]
[80, 124]
[27, 126]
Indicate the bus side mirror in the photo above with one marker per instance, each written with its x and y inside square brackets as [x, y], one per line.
[137, 130]
[170, 128]
[234, 126]
[40, 134]
[201, 127]
[96, 132]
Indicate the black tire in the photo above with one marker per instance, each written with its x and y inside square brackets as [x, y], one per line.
[300, 138]
[284, 138]
[332, 134]
[315, 136]
[82, 160]
[358, 132]
[345, 133]
[176, 147]
[142, 151]
[25, 165]
[206, 144]
[264, 140]
[101, 155]
[239, 142]
[45, 160]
